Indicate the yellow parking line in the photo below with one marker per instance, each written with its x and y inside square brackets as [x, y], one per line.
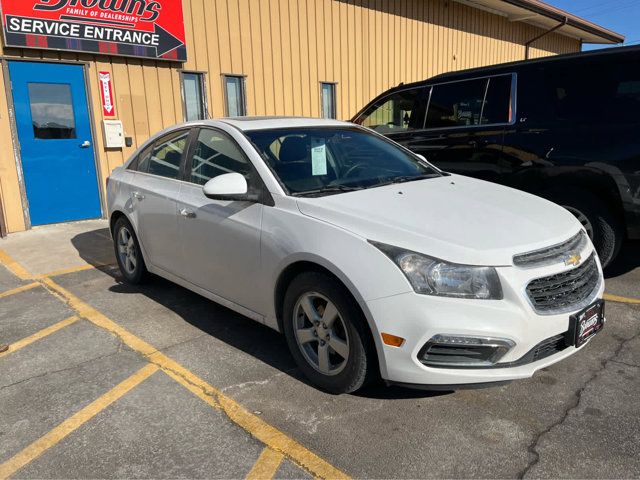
[616, 298]
[17, 269]
[270, 436]
[266, 466]
[80, 268]
[40, 335]
[23, 288]
[56, 435]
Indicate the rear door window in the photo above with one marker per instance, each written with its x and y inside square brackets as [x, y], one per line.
[456, 104]
[398, 112]
[167, 153]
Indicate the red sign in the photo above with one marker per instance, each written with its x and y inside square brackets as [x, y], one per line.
[106, 92]
[133, 28]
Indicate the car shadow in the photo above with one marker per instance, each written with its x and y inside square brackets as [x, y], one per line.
[627, 260]
[235, 330]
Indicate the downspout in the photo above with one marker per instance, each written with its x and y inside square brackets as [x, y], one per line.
[543, 34]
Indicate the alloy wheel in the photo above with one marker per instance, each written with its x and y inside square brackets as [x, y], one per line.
[321, 333]
[127, 250]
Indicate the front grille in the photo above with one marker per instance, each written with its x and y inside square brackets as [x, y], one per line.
[553, 254]
[565, 291]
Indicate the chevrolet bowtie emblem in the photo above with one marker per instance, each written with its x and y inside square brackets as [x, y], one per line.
[573, 260]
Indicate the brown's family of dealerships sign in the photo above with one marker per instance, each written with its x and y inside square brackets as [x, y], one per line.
[132, 28]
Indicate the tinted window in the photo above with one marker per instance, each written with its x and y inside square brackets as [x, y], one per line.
[167, 154]
[52, 111]
[398, 112]
[215, 154]
[497, 104]
[456, 104]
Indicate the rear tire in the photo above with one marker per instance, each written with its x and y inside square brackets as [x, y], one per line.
[602, 225]
[128, 253]
[327, 334]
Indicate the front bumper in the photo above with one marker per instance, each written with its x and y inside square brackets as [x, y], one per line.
[417, 318]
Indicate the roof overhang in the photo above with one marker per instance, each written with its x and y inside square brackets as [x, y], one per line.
[545, 16]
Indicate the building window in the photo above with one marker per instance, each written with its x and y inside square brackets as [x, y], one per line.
[195, 107]
[235, 105]
[328, 99]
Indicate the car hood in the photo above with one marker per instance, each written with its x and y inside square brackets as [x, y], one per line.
[453, 218]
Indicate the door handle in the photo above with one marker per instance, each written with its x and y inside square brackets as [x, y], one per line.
[187, 213]
[138, 196]
[85, 144]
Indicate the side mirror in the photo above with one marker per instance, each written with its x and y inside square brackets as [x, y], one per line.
[230, 186]
[421, 157]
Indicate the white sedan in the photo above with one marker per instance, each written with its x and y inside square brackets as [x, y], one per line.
[371, 261]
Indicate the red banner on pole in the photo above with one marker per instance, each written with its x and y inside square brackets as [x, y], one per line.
[132, 28]
[106, 92]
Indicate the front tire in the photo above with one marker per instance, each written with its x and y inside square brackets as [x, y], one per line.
[603, 227]
[327, 334]
[128, 253]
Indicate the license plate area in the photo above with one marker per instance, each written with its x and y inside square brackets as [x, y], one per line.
[585, 324]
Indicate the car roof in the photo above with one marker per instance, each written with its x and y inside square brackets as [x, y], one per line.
[264, 123]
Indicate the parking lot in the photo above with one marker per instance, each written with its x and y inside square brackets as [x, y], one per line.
[104, 380]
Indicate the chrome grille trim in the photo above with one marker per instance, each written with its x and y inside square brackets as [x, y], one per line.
[566, 291]
[552, 254]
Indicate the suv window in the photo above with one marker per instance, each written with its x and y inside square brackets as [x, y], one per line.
[167, 154]
[497, 103]
[456, 104]
[397, 112]
[215, 154]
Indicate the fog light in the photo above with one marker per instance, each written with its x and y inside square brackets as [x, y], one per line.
[455, 351]
[392, 340]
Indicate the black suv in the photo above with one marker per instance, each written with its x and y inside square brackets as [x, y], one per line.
[566, 128]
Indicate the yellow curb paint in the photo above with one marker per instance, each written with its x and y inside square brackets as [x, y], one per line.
[56, 435]
[17, 269]
[23, 288]
[266, 466]
[270, 436]
[39, 335]
[618, 299]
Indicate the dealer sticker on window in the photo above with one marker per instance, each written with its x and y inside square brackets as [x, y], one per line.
[318, 157]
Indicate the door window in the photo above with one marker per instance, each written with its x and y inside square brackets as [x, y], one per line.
[456, 104]
[497, 104]
[216, 154]
[399, 112]
[167, 154]
[52, 111]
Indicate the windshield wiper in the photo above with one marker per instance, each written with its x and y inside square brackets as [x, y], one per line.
[328, 190]
[406, 178]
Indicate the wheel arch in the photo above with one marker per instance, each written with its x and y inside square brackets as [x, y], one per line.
[296, 267]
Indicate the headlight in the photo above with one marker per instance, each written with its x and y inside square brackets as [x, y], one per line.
[430, 276]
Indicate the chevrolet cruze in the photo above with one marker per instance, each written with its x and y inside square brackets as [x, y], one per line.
[371, 261]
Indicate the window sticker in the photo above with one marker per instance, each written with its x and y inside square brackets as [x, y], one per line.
[318, 157]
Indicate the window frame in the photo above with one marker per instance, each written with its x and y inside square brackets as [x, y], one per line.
[203, 89]
[243, 96]
[334, 99]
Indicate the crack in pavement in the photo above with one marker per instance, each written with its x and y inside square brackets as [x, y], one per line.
[53, 372]
[531, 449]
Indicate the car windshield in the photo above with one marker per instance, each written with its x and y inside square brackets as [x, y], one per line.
[317, 161]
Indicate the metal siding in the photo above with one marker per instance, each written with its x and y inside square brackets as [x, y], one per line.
[286, 48]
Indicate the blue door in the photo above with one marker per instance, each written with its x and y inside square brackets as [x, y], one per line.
[56, 145]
